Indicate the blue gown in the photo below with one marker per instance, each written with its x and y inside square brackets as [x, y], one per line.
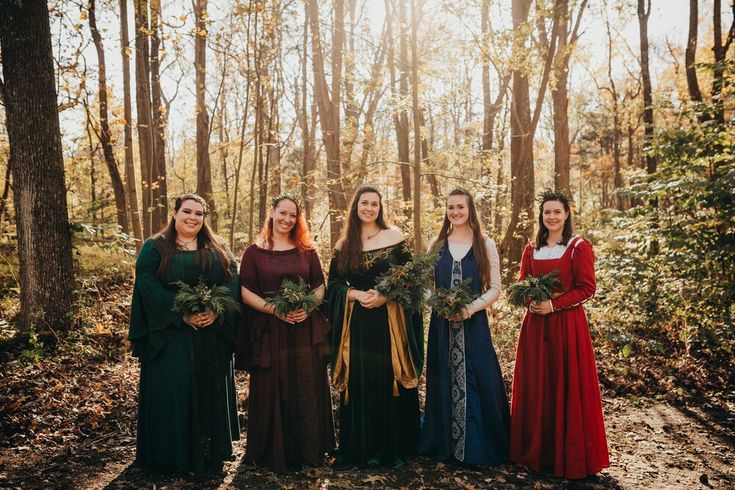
[466, 415]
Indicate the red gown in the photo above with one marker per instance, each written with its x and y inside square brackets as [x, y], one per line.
[556, 411]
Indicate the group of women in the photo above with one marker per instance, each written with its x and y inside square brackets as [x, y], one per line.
[187, 413]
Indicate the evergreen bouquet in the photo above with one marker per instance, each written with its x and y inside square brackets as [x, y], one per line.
[407, 283]
[448, 302]
[293, 295]
[538, 288]
[190, 300]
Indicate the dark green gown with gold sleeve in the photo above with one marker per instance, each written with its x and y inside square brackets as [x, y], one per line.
[187, 411]
[378, 358]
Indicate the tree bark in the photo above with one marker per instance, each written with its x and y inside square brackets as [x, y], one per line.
[204, 165]
[329, 109]
[104, 133]
[415, 14]
[37, 166]
[143, 104]
[308, 191]
[130, 180]
[644, 11]
[690, 55]
[159, 191]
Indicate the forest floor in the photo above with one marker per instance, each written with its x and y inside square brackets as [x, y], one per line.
[67, 420]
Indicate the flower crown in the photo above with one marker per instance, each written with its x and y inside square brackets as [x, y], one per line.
[552, 195]
[285, 195]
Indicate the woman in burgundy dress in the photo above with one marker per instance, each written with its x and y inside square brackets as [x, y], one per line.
[556, 412]
[290, 410]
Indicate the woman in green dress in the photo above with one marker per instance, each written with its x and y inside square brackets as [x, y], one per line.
[187, 412]
[378, 348]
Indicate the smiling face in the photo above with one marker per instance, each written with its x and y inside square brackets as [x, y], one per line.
[284, 216]
[189, 219]
[554, 216]
[368, 207]
[458, 210]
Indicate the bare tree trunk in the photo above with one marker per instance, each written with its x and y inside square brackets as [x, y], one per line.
[92, 167]
[617, 175]
[159, 190]
[720, 53]
[307, 137]
[37, 166]
[143, 104]
[560, 96]
[690, 55]
[329, 108]
[104, 132]
[204, 165]
[415, 14]
[644, 11]
[130, 180]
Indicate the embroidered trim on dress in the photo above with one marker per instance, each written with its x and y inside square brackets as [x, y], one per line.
[458, 375]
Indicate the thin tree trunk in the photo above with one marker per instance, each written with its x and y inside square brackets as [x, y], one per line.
[143, 104]
[92, 168]
[159, 191]
[204, 165]
[308, 162]
[104, 131]
[329, 109]
[37, 167]
[690, 55]
[130, 180]
[644, 11]
[415, 14]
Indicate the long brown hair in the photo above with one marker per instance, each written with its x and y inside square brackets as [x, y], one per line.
[349, 256]
[478, 238]
[542, 237]
[299, 234]
[165, 242]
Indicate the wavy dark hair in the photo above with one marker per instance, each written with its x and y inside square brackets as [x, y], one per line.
[478, 237]
[299, 234]
[349, 256]
[209, 245]
[542, 237]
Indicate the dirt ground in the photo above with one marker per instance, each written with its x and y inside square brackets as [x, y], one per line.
[67, 432]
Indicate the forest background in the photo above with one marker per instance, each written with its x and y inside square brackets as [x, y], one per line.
[625, 105]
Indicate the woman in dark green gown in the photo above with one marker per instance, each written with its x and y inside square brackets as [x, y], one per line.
[187, 412]
[378, 348]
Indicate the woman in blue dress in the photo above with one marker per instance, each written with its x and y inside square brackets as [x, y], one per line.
[466, 417]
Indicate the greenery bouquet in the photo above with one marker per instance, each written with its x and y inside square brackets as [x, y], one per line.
[407, 283]
[448, 302]
[190, 300]
[538, 288]
[293, 295]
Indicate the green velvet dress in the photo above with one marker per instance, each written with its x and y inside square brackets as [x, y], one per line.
[379, 355]
[187, 411]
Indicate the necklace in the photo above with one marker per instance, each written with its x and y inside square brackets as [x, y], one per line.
[186, 243]
[373, 235]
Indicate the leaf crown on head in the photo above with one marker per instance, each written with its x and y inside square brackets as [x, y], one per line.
[551, 195]
[285, 195]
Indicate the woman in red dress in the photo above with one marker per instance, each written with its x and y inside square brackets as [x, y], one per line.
[290, 410]
[556, 412]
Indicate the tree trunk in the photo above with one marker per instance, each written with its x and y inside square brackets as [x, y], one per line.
[329, 108]
[690, 55]
[37, 166]
[643, 13]
[159, 191]
[130, 180]
[104, 133]
[308, 191]
[402, 126]
[415, 14]
[204, 165]
[143, 104]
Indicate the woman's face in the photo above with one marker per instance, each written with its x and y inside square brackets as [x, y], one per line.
[554, 216]
[458, 210]
[368, 207]
[189, 218]
[284, 216]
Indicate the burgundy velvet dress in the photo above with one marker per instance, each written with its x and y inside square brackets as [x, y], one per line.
[290, 410]
[556, 412]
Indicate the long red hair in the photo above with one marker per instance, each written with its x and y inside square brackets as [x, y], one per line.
[299, 234]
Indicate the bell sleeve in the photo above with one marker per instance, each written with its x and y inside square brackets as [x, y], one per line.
[336, 299]
[414, 322]
[151, 314]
